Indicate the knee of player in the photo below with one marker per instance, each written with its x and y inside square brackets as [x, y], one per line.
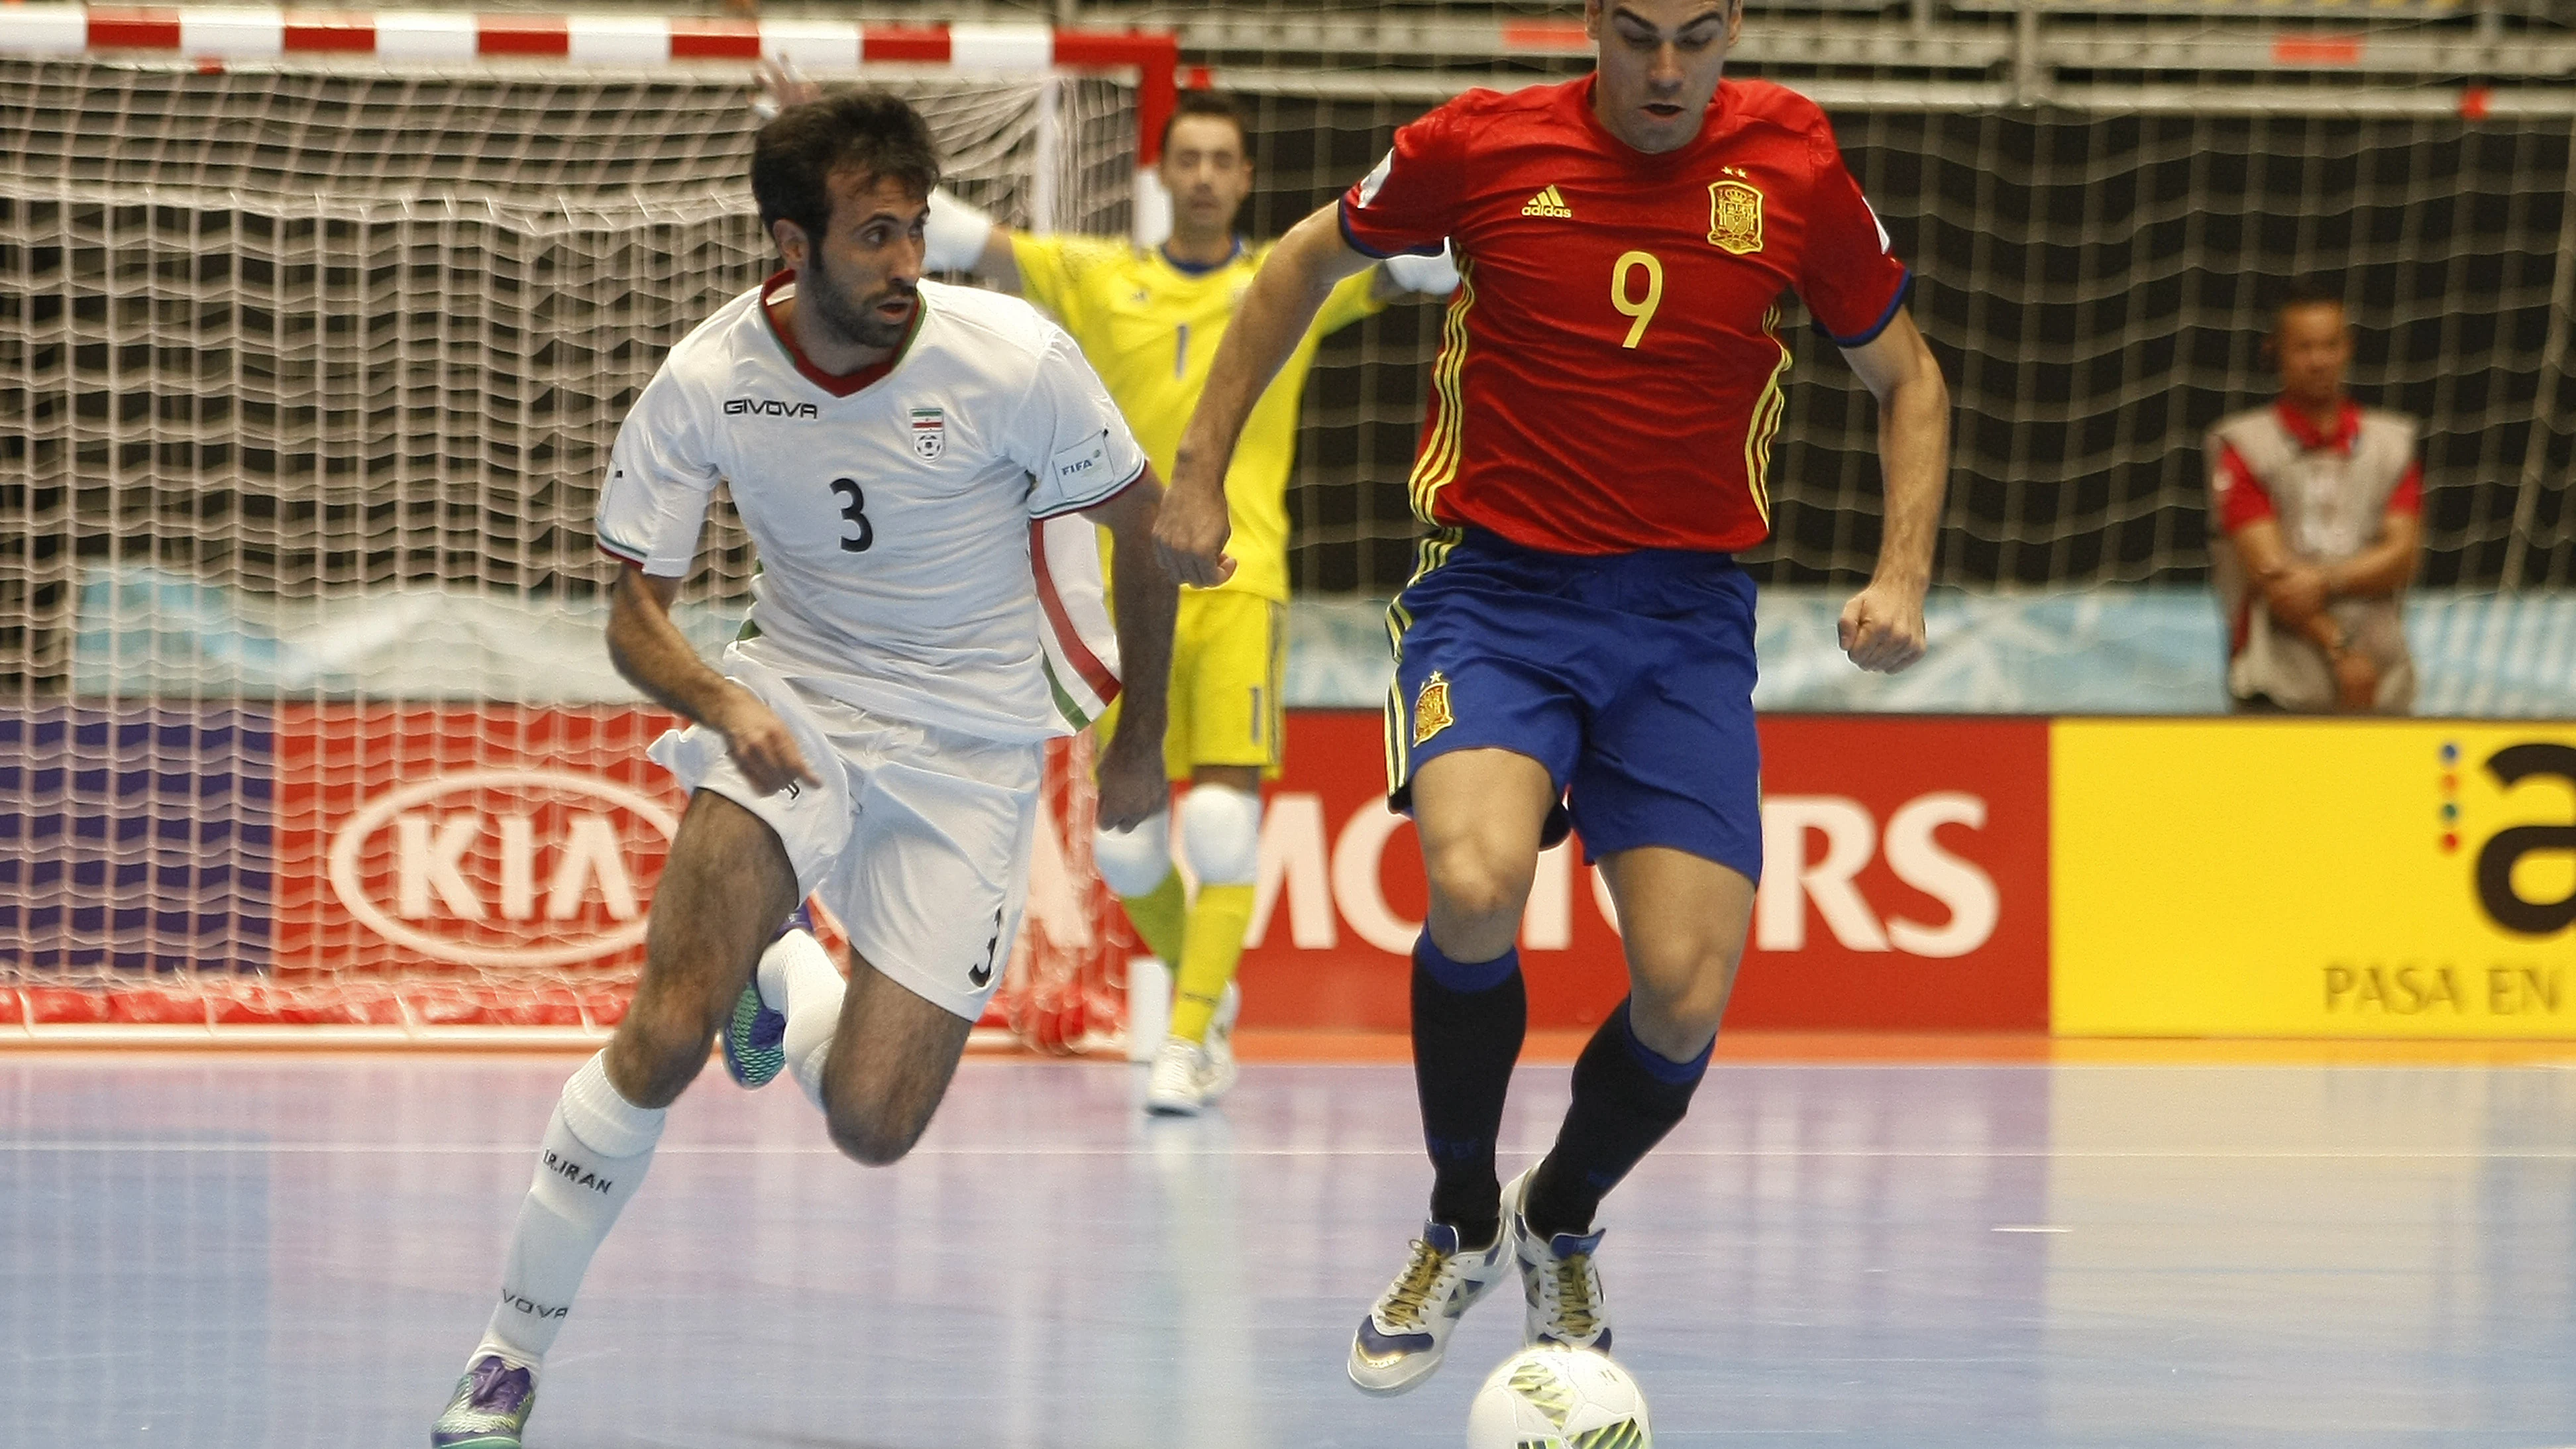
[1682, 990]
[663, 1049]
[867, 1136]
[1472, 884]
[1221, 834]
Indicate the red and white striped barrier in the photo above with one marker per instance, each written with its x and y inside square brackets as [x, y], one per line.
[261, 33]
[214, 36]
[225, 34]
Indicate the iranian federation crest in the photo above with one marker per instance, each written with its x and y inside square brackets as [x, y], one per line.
[1735, 216]
[1431, 708]
[929, 433]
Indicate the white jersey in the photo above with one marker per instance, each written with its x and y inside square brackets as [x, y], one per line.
[901, 514]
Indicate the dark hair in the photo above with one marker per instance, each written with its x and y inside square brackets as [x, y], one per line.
[2306, 292]
[795, 155]
[1207, 103]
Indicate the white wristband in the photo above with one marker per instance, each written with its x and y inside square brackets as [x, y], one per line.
[1433, 275]
[955, 234]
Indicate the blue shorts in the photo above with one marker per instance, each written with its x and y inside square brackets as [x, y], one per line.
[1629, 676]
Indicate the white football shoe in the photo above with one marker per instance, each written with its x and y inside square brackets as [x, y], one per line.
[1183, 1079]
[1406, 1331]
[1558, 1278]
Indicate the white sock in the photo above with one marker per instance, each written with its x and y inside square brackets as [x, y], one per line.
[596, 1149]
[798, 978]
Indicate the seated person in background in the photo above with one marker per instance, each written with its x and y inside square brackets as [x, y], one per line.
[2318, 506]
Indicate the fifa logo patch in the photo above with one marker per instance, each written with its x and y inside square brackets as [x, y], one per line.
[1734, 216]
[929, 433]
[1431, 708]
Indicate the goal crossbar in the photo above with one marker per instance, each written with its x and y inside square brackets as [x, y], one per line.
[221, 34]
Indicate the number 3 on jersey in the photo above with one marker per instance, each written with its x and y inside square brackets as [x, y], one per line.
[854, 509]
[1622, 290]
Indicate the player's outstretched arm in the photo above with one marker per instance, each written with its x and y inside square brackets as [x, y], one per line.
[1133, 787]
[959, 236]
[656, 658]
[1882, 627]
[1293, 282]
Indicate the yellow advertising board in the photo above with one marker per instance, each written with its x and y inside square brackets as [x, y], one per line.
[2313, 878]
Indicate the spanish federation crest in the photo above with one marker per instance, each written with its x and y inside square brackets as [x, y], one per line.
[929, 433]
[1431, 708]
[1735, 216]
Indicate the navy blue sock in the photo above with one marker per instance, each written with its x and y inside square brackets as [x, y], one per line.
[1468, 1019]
[1626, 1098]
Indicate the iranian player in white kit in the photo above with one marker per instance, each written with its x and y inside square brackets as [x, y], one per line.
[895, 448]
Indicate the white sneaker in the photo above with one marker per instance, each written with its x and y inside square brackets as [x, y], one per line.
[1184, 1078]
[1558, 1278]
[1406, 1331]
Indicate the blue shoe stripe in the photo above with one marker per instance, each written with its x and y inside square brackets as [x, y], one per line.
[1376, 1343]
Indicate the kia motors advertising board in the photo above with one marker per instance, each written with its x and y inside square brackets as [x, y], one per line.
[490, 842]
[493, 866]
[2315, 878]
[438, 865]
[1906, 886]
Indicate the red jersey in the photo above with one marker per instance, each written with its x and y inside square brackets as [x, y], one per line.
[1611, 372]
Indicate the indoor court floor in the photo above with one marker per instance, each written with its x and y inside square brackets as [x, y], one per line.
[208, 1251]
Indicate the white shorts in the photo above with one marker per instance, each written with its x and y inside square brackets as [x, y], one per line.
[918, 839]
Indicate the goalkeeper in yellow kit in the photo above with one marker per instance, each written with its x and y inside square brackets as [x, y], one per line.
[1149, 320]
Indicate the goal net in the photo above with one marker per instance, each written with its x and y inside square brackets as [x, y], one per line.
[308, 371]
[2099, 284]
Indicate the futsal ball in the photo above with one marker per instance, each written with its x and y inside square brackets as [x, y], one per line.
[1554, 1397]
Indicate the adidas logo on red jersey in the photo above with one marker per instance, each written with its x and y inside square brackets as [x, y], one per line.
[1548, 203]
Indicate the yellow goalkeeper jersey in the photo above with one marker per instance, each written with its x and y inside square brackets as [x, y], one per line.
[1150, 327]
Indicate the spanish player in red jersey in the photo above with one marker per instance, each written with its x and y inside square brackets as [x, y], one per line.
[1578, 638]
